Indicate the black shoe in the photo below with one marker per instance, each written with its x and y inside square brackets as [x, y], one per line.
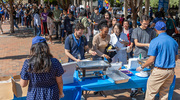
[95, 93]
[134, 93]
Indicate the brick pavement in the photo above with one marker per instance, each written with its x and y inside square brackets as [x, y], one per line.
[14, 49]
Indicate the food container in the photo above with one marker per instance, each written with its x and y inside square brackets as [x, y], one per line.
[117, 76]
[116, 66]
[92, 64]
[89, 69]
[127, 72]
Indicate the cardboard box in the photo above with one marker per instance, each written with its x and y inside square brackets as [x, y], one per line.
[19, 91]
[6, 88]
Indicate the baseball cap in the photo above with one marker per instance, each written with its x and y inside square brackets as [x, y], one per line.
[160, 26]
[38, 39]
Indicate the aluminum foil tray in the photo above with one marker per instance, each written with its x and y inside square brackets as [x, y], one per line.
[93, 64]
[117, 76]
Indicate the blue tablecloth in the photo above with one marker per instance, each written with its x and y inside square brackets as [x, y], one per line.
[99, 84]
[71, 92]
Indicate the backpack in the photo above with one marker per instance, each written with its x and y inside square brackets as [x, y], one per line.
[71, 40]
[75, 22]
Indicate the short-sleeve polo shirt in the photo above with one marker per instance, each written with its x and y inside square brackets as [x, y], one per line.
[165, 48]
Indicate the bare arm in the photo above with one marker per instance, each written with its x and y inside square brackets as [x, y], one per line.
[140, 44]
[60, 86]
[149, 61]
[67, 52]
[23, 83]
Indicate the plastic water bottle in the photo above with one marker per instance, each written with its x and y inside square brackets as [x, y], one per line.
[140, 56]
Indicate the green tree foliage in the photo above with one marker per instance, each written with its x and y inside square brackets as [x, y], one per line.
[155, 3]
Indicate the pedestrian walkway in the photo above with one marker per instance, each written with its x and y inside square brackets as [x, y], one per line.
[15, 48]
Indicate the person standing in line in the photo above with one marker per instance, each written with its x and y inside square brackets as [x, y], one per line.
[42, 72]
[14, 18]
[44, 20]
[95, 18]
[119, 40]
[37, 23]
[128, 31]
[171, 22]
[142, 37]
[57, 22]
[163, 51]
[50, 26]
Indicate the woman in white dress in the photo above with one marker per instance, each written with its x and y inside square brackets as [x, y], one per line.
[120, 41]
[50, 26]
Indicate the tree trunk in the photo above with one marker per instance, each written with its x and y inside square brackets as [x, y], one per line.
[134, 18]
[125, 9]
[11, 16]
[48, 2]
[42, 2]
[85, 3]
[147, 7]
[75, 3]
[140, 8]
[78, 2]
[91, 6]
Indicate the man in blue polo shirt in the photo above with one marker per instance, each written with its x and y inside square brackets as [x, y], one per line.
[76, 44]
[163, 51]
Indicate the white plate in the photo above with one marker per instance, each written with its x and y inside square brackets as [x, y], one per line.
[112, 50]
[123, 48]
[140, 75]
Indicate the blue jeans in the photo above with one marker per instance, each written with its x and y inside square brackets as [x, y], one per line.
[38, 30]
[15, 24]
[28, 22]
[6, 15]
[22, 20]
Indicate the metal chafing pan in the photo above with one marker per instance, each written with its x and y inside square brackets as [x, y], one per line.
[92, 64]
[117, 76]
[85, 66]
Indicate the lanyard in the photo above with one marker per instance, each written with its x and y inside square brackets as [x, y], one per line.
[118, 36]
[78, 44]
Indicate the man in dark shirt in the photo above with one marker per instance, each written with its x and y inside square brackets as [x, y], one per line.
[76, 44]
[95, 18]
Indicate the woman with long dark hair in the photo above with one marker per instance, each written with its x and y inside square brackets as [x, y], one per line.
[42, 72]
[50, 26]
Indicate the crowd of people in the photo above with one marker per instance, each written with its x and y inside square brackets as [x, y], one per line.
[94, 32]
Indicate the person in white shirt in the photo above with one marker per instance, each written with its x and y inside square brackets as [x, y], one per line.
[37, 23]
[120, 41]
[50, 26]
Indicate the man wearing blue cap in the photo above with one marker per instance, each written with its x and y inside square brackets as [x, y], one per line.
[163, 51]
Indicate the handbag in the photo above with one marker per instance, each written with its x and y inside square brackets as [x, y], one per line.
[175, 29]
[112, 53]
